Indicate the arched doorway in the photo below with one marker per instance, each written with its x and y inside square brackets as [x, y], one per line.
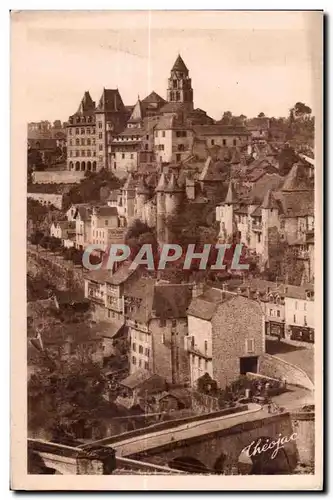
[77, 166]
[188, 464]
[263, 456]
[83, 165]
[89, 166]
[71, 166]
[94, 165]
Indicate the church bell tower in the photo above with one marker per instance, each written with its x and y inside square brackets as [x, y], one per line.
[180, 85]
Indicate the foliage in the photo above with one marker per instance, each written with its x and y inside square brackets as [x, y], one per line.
[89, 188]
[261, 115]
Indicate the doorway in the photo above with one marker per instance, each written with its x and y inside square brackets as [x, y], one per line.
[248, 364]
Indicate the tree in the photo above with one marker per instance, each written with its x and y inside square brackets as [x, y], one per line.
[226, 118]
[301, 110]
[261, 115]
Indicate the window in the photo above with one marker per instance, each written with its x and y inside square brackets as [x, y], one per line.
[140, 349]
[88, 152]
[206, 365]
[156, 133]
[199, 362]
[296, 305]
[100, 124]
[305, 321]
[163, 338]
[206, 346]
[77, 142]
[88, 142]
[212, 142]
[94, 131]
[82, 131]
[178, 157]
[132, 156]
[83, 152]
[162, 323]
[70, 131]
[106, 222]
[250, 345]
[82, 142]
[163, 133]
[77, 153]
[71, 142]
[77, 130]
[224, 142]
[140, 363]
[259, 238]
[100, 147]
[147, 137]
[88, 131]
[234, 142]
[295, 318]
[134, 360]
[134, 347]
[100, 135]
[147, 352]
[271, 312]
[146, 365]
[174, 322]
[123, 156]
[278, 313]
[181, 147]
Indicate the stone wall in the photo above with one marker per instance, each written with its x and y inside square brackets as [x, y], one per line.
[47, 199]
[275, 367]
[304, 425]
[62, 274]
[58, 177]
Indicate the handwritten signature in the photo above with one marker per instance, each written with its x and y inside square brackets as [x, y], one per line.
[260, 446]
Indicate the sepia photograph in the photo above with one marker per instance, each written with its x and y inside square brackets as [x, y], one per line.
[167, 229]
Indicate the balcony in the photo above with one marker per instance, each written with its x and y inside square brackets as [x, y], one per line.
[257, 226]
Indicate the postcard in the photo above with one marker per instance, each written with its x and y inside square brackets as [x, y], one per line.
[167, 250]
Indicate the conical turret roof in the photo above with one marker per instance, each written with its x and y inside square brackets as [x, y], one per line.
[269, 201]
[142, 187]
[231, 195]
[161, 183]
[173, 186]
[129, 184]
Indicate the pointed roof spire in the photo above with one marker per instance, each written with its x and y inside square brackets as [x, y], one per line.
[161, 183]
[269, 201]
[173, 186]
[137, 113]
[179, 65]
[130, 183]
[231, 195]
[142, 187]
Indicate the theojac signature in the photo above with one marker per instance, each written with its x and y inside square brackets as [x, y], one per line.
[264, 444]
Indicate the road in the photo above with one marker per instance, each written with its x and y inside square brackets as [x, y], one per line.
[296, 355]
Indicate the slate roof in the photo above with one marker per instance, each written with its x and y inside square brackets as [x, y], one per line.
[231, 195]
[138, 377]
[297, 180]
[110, 101]
[86, 104]
[269, 201]
[106, 211]
[121, 275]
[213, 171]
[296, 204]
[179, 65]
[153, 97]
[171, 301]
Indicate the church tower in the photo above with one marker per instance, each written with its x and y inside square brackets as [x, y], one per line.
[180, 85]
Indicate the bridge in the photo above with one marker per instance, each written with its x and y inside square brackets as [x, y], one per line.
[212, 443]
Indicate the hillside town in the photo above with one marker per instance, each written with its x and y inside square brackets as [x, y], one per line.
[115, 350]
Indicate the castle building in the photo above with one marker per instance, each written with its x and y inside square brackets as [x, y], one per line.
[81, 137]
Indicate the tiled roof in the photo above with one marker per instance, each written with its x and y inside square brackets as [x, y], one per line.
[205, 305]
[269, 201]
[137, 378]
[106, 211]
[137, 113]
[297, 203]
[173, 107]
[121, 275]
[297, 179]
[296, 292]
[86, 104]
[202, 130]
[130, 183]
[213, 171]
